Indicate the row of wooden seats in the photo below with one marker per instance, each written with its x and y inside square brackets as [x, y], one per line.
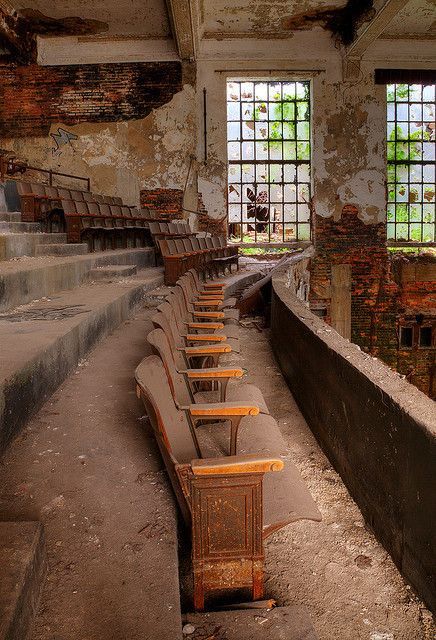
[85, 216]
[209, 255]
[225, 456]
[170, 229]
[38, 199]
[103, 225]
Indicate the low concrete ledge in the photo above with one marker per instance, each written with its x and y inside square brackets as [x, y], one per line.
[378, 430]
[23, 567]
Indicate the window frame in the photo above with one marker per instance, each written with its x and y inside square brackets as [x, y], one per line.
[400, 205]
[290, 212]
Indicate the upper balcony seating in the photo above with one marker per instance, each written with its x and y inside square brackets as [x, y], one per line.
[102, 221]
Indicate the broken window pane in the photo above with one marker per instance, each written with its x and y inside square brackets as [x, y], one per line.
[269, 130]
[411, 162]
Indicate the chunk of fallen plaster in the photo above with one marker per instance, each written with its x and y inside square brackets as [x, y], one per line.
[188, 629]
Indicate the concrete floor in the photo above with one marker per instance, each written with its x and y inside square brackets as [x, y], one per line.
[88, 468]
[336, 568]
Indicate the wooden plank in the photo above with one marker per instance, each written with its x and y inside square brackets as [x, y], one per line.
[340, 310]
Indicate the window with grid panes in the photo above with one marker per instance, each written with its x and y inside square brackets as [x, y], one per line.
[268, 146]
[411, 162]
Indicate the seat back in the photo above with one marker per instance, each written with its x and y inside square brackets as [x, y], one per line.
[181, 391]
[68, 207]
[24, 188]
[125, 212]
[105, 210]
[51, 192]
[117, 200]
[175, 440]
[97, 197]
[154, 228]
[116, 211]
[171, 244]
[202, 242]
[82, 207]
[169, 422]
[180, 303]
[77, 195]
[88, 196]
[64, 193]
[38, 189]
[169, 326]
[178, 243]
[93, 208]
[195, 243]
[146, 213]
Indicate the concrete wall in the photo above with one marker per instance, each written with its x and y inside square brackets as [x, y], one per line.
[378, 431]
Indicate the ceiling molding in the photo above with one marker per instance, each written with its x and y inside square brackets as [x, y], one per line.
[183, 16]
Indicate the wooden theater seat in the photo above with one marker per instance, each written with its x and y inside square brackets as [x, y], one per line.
[231, 503]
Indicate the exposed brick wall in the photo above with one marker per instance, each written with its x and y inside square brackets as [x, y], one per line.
[381, 297]
[33, 97]
[167, 202]
[206, 222]
[416, 278]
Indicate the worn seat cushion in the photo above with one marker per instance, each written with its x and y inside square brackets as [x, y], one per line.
[245, 393]
[286, 498]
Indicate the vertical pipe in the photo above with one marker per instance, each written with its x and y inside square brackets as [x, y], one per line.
[205, 124]
[50, 178]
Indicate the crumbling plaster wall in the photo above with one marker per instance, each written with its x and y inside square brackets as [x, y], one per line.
[348, 133]
[122, 157]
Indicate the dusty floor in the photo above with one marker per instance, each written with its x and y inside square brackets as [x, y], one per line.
[336, 567]
[88, 468]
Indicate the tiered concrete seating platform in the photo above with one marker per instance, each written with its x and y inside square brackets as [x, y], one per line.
[52, 311]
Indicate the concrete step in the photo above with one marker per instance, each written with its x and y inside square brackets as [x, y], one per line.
[19, 227]
[89, 467]
[23, 569]
[42, 342]
[53, 249]
[112, 272]
[27, 279]
[10, 216]
[17, 245]
[51, 238]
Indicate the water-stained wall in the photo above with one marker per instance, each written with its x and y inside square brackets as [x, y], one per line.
[127, 126]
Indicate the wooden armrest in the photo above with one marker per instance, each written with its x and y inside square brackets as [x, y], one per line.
[207, 303]
[212, 373]
[214, 285]
[204, 337]
[206, 350]
[205, 325]
[223, 409]
[210, 296]
[208, 314]
[236, 464]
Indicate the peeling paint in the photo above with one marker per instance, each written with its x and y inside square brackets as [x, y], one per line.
[123, 157]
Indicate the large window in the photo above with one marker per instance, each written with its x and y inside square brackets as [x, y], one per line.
[411, 162]
[268, 144]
